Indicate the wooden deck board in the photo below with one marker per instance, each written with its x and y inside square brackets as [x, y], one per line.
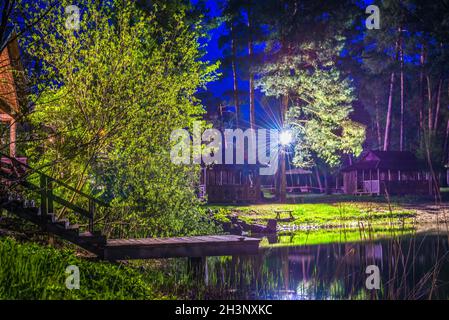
[200, 246]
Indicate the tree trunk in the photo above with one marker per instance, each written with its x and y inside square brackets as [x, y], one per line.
[283, 178]
[283, 175]
[389, 113]
[378, 127]
[317, 175]
[252, 114]
[401, 134]
[429, 102]
[421, 99]
[438, 106]
[234, 76]
[326, 183]
[390, 105]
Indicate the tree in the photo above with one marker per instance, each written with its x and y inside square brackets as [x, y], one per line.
[413, 45]
[230, 43]
[107, 99]
[301, 72]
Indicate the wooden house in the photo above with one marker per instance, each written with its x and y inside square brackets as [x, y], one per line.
[298, 181]
[10, 95]
[392, 172]
[231, 183]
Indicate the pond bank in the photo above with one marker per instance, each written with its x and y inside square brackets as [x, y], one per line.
[318, 215]
[39, 273]
[332, 217]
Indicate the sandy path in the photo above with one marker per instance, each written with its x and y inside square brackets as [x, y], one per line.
[429, 213]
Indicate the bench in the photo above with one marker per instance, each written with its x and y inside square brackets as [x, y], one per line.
[278, 213]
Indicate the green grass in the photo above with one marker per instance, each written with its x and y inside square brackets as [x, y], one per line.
[33, 272]
[317, 214]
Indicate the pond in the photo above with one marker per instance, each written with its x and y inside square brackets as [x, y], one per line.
[411, 266]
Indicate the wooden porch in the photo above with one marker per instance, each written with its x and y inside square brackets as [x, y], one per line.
[377, 182]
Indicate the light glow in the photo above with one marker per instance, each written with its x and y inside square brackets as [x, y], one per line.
[285, 137]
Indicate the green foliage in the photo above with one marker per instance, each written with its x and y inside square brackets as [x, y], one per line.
[33, 272]
[320, 106]
[322, 122]
[107, 99]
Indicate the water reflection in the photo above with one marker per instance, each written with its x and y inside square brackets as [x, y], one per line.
[411, 267]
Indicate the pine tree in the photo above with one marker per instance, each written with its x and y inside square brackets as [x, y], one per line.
[302, 73]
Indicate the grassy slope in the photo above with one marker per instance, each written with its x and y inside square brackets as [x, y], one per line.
[31, 271]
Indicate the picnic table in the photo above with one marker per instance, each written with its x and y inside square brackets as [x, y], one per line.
[279, 211]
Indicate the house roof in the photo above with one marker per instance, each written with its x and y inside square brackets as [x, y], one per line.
[9, 31]
[12, 84]
[384, 160]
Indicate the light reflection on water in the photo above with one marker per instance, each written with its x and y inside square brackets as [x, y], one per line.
[412, 267]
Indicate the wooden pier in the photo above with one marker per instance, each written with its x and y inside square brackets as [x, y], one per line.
[192, 247]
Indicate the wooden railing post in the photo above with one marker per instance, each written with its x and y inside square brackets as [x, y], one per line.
[44, 195]
[50, 196]
[91, 215]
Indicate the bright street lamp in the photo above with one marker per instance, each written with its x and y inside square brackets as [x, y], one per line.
[285, 137]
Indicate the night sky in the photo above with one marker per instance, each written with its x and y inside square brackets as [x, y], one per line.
[220, 90]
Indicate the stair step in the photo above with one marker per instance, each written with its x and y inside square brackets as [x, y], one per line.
[89, 237]
[72, 227]
[51, 217]
[63, 222]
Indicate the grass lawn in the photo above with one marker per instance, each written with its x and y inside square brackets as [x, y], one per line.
[333, 220]
[327, 215]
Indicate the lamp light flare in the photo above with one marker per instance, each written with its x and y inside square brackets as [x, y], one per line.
[285, 137]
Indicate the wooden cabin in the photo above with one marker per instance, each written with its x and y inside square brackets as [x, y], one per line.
[298, 181]
[392, 172]
[225, 183]
[9, 92]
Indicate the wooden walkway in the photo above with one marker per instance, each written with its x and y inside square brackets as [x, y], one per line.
[153, 248]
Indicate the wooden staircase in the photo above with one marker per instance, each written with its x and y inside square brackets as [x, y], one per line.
[15, 173]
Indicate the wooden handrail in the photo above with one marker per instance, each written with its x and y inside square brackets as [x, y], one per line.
[62, 184]
[47, 197]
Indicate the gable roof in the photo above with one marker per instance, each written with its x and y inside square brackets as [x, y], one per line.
[9, 31]
[392, 156]
[384, 160]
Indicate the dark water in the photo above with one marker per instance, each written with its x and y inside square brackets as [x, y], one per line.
[411, 267]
